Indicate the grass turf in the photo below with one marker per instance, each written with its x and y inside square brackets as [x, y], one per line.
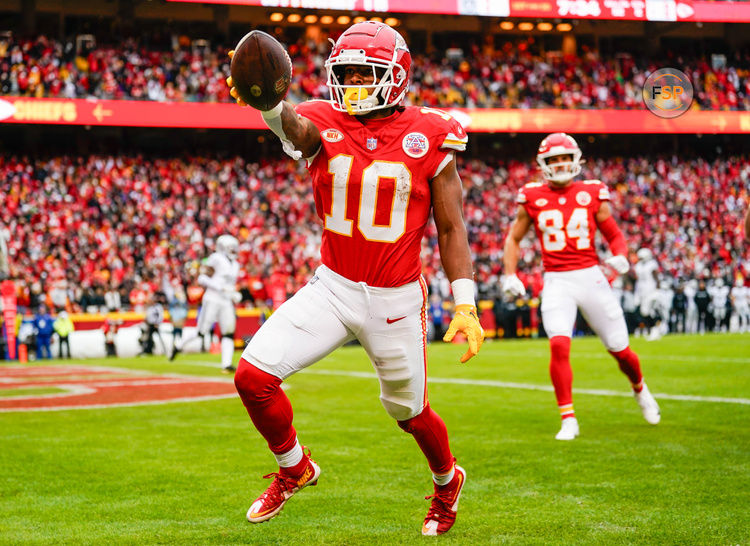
[185, 473]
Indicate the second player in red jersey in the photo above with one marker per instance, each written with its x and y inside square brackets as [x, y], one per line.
[564, 218]
[566, 215]
[378, 171]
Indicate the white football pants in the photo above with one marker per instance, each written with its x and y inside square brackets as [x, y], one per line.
[330, 310]
[588, 290]
[216, 310]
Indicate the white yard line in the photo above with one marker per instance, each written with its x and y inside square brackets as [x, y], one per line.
[651, 358]
[548, 388]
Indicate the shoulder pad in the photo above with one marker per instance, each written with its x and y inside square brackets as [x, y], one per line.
[592, 181]
[449, 132]
[533, 185]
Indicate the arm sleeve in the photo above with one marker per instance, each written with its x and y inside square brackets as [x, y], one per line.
[614, 237]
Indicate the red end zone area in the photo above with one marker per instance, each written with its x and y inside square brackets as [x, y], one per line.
[87, 387]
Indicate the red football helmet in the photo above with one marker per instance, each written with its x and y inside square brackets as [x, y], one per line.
[379, 47]
[554, 145]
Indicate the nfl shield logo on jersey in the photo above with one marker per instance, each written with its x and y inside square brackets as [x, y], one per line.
[372, 143]
[415, 145]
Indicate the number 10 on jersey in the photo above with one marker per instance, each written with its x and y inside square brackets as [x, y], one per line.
[340, 167]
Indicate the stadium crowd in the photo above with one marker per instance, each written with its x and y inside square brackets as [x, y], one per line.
[515, 75]
[101, 232]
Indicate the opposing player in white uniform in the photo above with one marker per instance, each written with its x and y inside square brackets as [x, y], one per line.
[741, 304]
[219, 278]
[647, 291]
[566, 214]
[719, 298]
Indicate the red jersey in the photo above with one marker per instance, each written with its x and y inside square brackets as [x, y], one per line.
[371, 180]
[565, 221]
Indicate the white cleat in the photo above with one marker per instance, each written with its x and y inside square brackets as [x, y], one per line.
[649, 407]
[569, 429]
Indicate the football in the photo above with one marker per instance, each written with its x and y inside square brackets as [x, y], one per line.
[261, 70]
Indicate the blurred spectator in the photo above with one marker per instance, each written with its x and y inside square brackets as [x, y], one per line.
[58, 292]
[3, 340]
[85, 223]
[176, 298]
[112, 300]
[518, 74]
[63, 327]
[110, 328]
[703, 302]
[43, 328]
[25, 335]
[154, 318]
[679, 310]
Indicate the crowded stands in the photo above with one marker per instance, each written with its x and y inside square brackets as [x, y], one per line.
[100, 232]
[515, 75]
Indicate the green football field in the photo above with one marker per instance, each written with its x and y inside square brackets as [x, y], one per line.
[186, 472]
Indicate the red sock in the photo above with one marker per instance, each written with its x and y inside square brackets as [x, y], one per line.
[267, 405]
[560, 371]
[630, 366]
[431, 435]
[296, 470]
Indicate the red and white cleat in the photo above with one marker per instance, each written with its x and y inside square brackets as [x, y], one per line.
[442, 513]
[281, 490]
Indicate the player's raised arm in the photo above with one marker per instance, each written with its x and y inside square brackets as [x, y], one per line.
[512, 285]
[447, 200]
[256, 82]
[616, 240]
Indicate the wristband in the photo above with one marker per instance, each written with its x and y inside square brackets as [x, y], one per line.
[272, 118]
[463, 292]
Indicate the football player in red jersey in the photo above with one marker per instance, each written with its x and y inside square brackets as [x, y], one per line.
[565, 214]
[378, 170]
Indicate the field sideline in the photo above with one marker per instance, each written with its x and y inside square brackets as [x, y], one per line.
[186, 472]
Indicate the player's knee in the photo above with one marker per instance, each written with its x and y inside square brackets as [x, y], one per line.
[400, 392]
[401, 407]
[254, 386]
[229, 335]
[617, 343]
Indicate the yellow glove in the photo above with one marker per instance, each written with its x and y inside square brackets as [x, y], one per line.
[232, 88]
[466, 321]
